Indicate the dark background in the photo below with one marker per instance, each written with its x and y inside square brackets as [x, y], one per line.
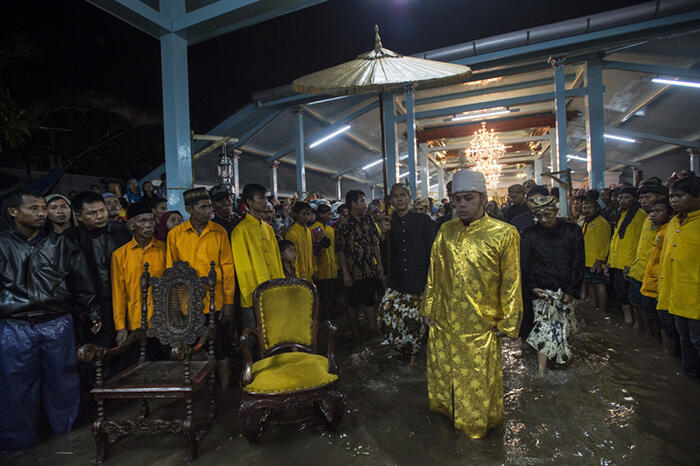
[71, 65]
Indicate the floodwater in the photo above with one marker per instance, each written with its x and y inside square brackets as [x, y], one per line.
[621, 401]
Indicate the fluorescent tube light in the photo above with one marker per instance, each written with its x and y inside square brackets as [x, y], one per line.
[332, 135]
[403, 175]
[576, 157]
[620, 138]
[370, 165]
[479, 115]
[673, 82]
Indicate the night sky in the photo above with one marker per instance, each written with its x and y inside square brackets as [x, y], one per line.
[70, 48]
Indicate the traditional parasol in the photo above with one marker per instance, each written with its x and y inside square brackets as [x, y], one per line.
[381, 70]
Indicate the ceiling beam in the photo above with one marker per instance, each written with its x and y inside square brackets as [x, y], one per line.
[490, 90]
[512, 140]
[651, 137]
[501, 125]
[137, 14]
[509, 102]
[671, 71]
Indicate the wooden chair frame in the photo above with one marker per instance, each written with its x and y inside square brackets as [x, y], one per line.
[260, 409]
[194, 340]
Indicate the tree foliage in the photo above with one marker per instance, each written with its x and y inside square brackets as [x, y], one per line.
[14, 122]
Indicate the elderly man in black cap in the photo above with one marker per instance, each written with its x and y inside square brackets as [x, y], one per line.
[222, 204]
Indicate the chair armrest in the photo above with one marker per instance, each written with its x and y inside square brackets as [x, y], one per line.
[90, 352]
[247, 374]
[330, 351]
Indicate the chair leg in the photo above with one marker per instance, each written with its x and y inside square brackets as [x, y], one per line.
[212, 396]
[98, 431]
[252, 420]
[190, 431]
[336, 400]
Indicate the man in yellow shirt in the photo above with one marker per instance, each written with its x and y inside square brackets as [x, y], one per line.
[255, 253]
[649, 193]
[127, 268]
[596, 240]
[199, 241]
[325, 260]
[623, 246]
[659, 319]
[679, 270]
[300, 235]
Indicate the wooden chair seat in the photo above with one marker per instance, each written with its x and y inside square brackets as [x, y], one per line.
[156, 377]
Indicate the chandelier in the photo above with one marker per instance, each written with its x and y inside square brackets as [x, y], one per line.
[483, 154]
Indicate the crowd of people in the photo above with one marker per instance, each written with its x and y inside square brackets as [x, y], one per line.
[465, 271]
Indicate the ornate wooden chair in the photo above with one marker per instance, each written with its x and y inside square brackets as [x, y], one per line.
[178, 320]
[288, 386]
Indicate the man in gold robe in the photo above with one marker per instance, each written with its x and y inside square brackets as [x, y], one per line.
[472, 299]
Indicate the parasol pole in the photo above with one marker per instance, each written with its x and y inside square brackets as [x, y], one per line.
[384, 168]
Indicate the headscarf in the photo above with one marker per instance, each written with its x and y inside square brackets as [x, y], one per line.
[52, 197]
[162, 227]
[132, 197]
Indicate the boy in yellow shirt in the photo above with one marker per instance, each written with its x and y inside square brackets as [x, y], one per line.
[300, 235]
[658, 319]
[623, 246]
[679, 272]
[596, 240]
[327, 264]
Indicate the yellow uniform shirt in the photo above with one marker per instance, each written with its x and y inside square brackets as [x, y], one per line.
[127, 268]
[325, 261]
[301, 237]
[622, 251]
[679, 271]
[596, 240]
[651, 273]
[646, 241]
[256, 255]
[184, 244]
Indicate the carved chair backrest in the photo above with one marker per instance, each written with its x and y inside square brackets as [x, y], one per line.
[286, 310]
[178, 304]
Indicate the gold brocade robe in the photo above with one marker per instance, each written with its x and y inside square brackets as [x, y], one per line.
[473, 287]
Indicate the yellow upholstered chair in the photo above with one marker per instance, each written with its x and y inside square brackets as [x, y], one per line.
[290, 382]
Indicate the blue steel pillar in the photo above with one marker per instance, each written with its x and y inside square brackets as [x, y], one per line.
[392, 144]
[424, 171]
[441, 182]
[538, 170]
[411, 140]
[562, 148]
[301, 170]
[338, 189]
[273, 179]
[595, 124]
[694, 155]
[176, 118]
[236, 178]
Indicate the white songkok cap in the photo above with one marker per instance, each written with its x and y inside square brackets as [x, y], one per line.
[468, 180]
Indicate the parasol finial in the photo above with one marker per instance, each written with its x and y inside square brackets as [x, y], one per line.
[377, 40]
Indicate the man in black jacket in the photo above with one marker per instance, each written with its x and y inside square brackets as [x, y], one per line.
[42, 277]
[98, 238]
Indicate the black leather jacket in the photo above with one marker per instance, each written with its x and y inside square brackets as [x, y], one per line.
[44, 278]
